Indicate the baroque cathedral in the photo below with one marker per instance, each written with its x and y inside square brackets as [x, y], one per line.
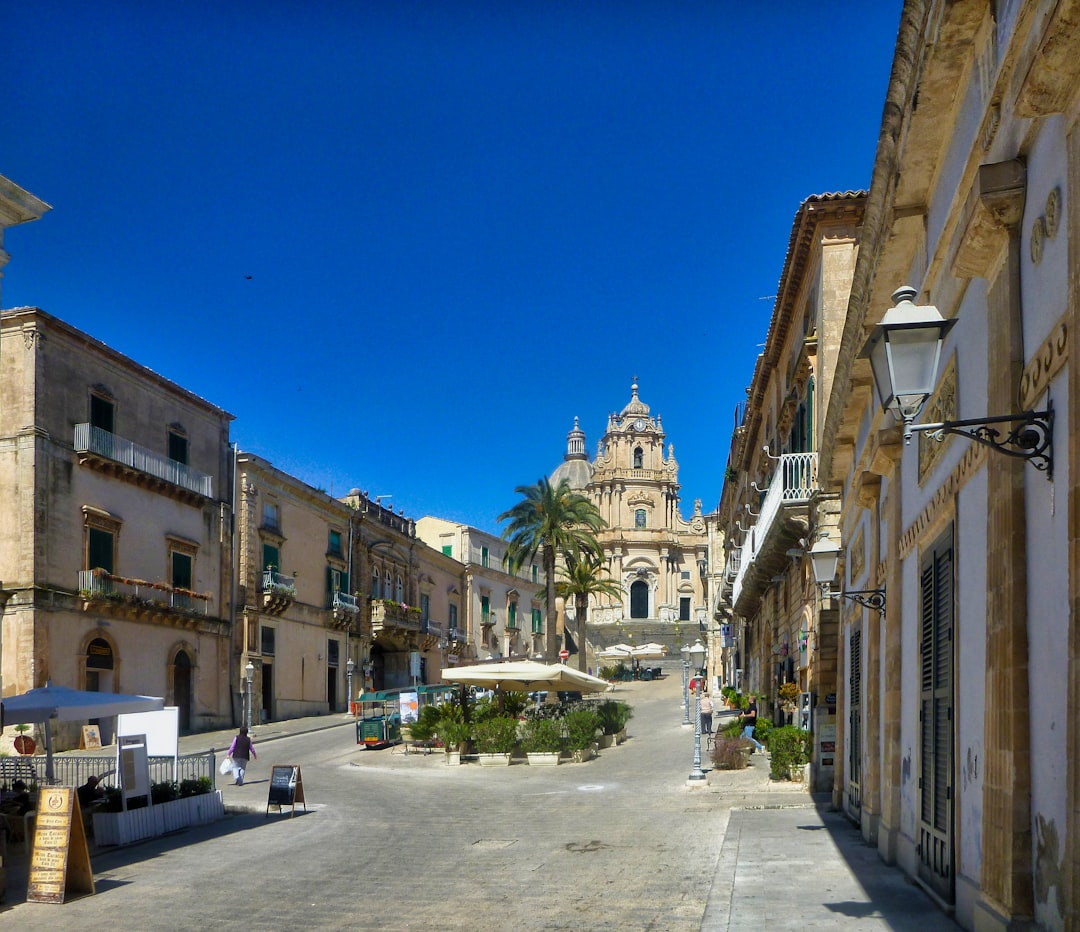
[657, 557]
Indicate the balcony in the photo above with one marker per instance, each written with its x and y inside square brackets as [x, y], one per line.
[278, 592]
[111, 454]
[782, 521]
[343, 602]
[389, 617]
[457, 634]
[140, 600]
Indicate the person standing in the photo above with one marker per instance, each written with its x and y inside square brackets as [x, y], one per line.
[241, 751]
[705, 708]
[749, 722]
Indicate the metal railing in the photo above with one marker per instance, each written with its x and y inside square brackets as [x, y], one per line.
[793, 483]
[74, 769]
[457, 634]
[344, 601]
[278, 583]
[90, 439]
[95, 584]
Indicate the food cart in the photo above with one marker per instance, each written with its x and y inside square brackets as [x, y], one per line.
[379, 722]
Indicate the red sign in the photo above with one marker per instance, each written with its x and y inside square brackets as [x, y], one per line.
[563, 654]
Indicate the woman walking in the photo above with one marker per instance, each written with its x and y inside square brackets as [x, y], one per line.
[241, 751]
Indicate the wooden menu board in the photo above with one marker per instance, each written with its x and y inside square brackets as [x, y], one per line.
[60, 862]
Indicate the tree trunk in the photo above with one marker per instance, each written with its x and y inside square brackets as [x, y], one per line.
[582, 610]
[551, 637]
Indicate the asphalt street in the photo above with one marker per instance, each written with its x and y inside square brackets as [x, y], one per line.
[404, 841]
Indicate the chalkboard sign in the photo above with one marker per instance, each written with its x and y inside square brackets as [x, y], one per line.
[286, 788]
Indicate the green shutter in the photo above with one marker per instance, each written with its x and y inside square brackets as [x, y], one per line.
[271, 557]
[99, 546]
[448, 550]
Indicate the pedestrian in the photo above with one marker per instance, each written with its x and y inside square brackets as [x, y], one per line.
[705, 707]
[90, 792]
[749, 723]
[240, 752]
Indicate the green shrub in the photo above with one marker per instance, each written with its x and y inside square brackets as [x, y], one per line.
[496, 735]
[427, 723]
[763, 729]
[789, 748]
[581, 727]
[451, 727]
[163, 792]
[727, 753]
[542, 736]
[194, 787]
[514, 703]
[613, 715]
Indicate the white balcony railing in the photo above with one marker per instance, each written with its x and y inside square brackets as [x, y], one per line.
[278, 584]
[793, 483]
[97, 585]
[344, 602]
[89, 439]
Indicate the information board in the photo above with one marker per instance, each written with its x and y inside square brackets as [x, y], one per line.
[286, 788]
[60, 862]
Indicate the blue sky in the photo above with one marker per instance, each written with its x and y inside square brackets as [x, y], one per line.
[406, 243]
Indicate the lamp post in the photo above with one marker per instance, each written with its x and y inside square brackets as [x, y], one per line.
[349, 667]
[697, 656]
[904, 351]
[249, 671]
[686, 684]
[824, 557]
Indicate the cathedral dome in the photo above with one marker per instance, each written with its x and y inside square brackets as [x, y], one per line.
[575, 467]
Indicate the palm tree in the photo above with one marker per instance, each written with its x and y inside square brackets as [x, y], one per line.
[553, 520]
[581, 579]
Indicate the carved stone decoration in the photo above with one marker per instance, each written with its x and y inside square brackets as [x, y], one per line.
[1038, 237]
[1050, 83]
[1044, 365]
[995, 205]
[942, 406]
[1053, 212]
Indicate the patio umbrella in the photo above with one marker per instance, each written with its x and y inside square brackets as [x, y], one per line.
[616, 652]
[39, 706]
[526, 676]
[649, 652]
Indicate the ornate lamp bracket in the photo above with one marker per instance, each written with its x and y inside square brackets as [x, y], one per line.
[1032, 439]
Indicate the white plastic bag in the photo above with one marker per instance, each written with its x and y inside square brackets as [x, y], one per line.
[226, 766]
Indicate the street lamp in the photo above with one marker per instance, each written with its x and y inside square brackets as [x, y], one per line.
[249, 671]
[686, 683]
[349, 667]
[824, 557]
[697, 657]
[904, 351]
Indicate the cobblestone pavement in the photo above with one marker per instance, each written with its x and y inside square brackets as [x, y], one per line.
[403, 841]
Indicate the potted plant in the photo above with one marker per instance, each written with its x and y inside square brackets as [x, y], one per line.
[789, 696]
[542, 740]
[495, 739]
[789, 749]
[452, 729]
[581, 727]
[24, 743]
[731, 753]
[613, 716]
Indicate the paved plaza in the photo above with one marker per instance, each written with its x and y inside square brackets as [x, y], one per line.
[396, 841]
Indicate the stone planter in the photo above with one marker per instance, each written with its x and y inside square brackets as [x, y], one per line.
[583, 755]
[620, 736]
[124, 828]
[453, 758]
[544, 758]
[493, 760]
[605, 741]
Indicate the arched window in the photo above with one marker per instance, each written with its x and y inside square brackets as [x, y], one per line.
[399, 591]
[639, 458]
[375, 580]
[639, 518]
[639, 599]
[388, 588]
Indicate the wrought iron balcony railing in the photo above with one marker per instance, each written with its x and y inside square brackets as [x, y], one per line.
[89, 439]
[97, 585]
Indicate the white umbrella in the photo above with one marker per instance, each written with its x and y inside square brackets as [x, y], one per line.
[616, 652]
[649, 652]
[39, 706]
[525, 676]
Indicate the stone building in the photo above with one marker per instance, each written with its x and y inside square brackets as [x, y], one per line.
[958, 733]
[657, 557]
[504, 611]
[115, 533]
[781, 631]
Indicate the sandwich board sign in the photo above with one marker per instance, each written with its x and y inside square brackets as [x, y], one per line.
[60, 863]
[286, 788]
